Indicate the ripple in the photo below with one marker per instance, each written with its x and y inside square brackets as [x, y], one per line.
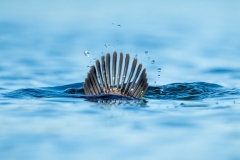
[174, 91]
[223, 70]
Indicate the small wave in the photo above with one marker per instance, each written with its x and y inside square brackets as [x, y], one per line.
[223, 71]
[189, 91]
[174, 91]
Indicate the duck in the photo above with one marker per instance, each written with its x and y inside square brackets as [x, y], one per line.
[107, 77]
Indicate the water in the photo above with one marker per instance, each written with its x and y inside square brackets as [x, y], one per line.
[190, 112]
[86, 53]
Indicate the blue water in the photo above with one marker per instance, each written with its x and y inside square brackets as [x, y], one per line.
[192, 111]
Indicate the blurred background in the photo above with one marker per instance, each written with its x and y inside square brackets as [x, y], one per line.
[43, 42]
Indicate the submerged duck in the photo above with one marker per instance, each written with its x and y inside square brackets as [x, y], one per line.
[100, 81]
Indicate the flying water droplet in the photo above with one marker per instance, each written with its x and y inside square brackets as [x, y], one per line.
[158, 76]
[94, 59]
[146, 52]
[136, 56]
[152, 62]
[119, 25]
[87, 66]
[86, 53]
[159, 69]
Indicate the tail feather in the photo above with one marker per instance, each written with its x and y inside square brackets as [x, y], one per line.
[114, 63]
[125, 70]
[99, 80]
[119, 69]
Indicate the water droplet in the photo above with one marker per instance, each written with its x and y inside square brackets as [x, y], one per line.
[119, 25]
[158, 76]
[87, 66]
[155, 82]
[136, 56]
[146, 52]
[94, 59]
[86, 53]
[152, 62]
[159, 69]
[148, 58]
[112, 23]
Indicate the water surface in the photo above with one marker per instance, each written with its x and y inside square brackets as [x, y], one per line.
[190, 112]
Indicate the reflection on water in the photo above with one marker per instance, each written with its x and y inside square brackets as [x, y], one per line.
[191, 54]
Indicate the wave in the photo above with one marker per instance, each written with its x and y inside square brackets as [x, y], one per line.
[174, 91]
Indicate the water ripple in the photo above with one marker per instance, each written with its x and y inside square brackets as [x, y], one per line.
[174, 91]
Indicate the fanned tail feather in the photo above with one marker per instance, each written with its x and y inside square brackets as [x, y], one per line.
[99, 80]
